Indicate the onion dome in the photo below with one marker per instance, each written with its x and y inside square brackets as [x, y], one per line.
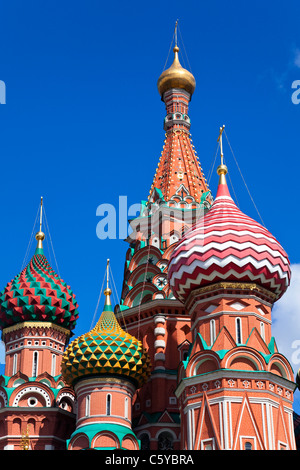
[227, 245]
[38, 294]
[106, 350]
[176, 77]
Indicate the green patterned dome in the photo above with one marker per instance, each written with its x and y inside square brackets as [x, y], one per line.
[38, 294]
[106, 350]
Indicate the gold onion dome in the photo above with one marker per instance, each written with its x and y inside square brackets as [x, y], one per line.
[176, 77]
[106, 350]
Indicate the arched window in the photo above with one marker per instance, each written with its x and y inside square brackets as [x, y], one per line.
[35, 363]
[238, 328]
[15, 362]
[248, 446]
[212, 325]
[53, 364]
[108, 404]
[126, 408]
[165, 441]
[87, 405]
[145, 442]
[262, 330]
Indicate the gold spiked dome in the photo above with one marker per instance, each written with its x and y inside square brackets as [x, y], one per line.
[106, 350]
[176, 77]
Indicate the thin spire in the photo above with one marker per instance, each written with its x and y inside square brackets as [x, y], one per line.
[41, 214]
[107, 292]
[40, 236]
[222, 169]
[175, 33]
[221, 142]
[107, 274]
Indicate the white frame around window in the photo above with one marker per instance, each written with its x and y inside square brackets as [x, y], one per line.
[212, 328]
[53, 365]
[245, 439]
[15, 364]
[87, 405]
[108, 404]
[205, 443]
[262, 330]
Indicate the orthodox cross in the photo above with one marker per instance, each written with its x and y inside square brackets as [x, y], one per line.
[221, 143]
[175, 32]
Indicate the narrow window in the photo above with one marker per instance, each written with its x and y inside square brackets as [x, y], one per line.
[87, 405]
[212, 325]
[53, 365]
[262, 330]
[126, 408]
[15, 364]
[238, 327]
[185, 355]
[35, 364]
[248, 446]
[108, 404]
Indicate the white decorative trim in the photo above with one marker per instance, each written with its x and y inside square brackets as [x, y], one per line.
[3, 395]
[29, 390]
[159, 331]
[238, 306]
[159, 343]
[65, 394]
[159, 319]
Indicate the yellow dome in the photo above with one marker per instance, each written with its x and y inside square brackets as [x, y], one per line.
[176, 77]
[106, 350]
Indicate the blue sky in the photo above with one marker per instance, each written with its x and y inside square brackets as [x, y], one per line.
[83, 121]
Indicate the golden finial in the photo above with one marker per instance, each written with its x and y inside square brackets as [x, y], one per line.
[222, 169]
[25, 442]
[107, 291]
[40, 236]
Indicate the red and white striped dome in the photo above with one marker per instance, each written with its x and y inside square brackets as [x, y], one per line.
[227, 245]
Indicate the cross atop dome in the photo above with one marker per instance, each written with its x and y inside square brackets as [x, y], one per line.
[178, 166]
[222, 169]
[40, 236]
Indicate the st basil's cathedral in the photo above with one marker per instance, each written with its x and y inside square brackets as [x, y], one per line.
[186, 360]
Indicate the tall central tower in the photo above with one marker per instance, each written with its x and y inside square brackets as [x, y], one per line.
[179, 194]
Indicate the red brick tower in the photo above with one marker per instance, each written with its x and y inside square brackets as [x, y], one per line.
[178, 195]
[235, 389]
[38, 311]
[105, 366]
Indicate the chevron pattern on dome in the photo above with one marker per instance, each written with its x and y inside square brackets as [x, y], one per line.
[38, 294]
[227, 245]
[106, 350]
